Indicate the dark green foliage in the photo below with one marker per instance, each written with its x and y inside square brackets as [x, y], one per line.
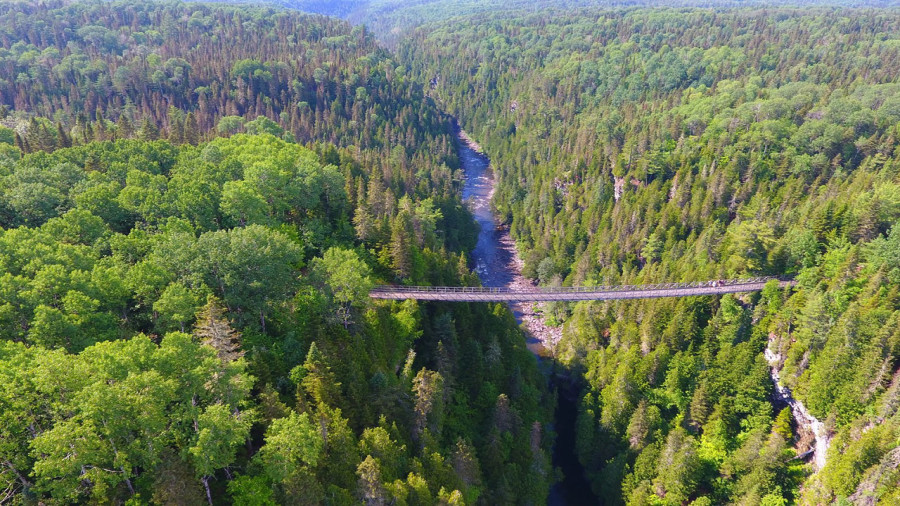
[123, 234]
[654, 145]
[79, 279]
[186, 72]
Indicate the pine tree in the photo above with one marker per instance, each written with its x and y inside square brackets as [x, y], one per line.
[465, 463]
[699, 408]
[64, 140]
[428, 388]
[87, 133]
[191, 130]
[317, 379]
[125, 128]
[370, 490]
[20, 143]
[401, 257]
[48, 143]
[101, 125]
[782, 424]
[149, 131]
[176, 126]
[214, 329]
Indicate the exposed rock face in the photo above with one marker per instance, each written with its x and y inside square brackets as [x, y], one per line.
[618, 187]
[807, 423]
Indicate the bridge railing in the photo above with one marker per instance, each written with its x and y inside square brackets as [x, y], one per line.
[576, 289]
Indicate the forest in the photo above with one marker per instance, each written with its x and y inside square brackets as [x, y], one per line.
[196, 198]
[652, 145]
[194, 201]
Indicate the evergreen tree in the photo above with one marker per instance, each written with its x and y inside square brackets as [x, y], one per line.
[149, 131]
[191, 130]
[213, 329]
[370, 490]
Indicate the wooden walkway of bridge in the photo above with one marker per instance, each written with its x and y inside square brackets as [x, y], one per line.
[573, 293]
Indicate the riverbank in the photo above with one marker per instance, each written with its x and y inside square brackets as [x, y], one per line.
[497, 261]
[498, 264]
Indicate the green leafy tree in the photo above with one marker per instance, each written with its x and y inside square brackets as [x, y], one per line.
[176, 307]
[345, 279]
[221, 432]
[251, 490]
[243, 205]
[290, 442]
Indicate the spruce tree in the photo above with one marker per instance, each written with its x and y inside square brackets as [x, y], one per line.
[64, 140]
[191, 130]
[214, 329]
[149, 131]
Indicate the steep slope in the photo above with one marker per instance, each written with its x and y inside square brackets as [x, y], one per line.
[186, 320]
[653, 145]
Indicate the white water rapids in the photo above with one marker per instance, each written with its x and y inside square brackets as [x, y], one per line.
[801, 415]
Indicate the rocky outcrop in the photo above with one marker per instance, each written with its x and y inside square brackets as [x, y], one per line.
[806, 422]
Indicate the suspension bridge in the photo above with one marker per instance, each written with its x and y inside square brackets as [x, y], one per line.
[574, 293]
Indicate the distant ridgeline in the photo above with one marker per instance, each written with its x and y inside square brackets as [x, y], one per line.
[646, 146]
[163, 70]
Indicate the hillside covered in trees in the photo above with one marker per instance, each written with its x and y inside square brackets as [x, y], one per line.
[194, 201]
[653, 145]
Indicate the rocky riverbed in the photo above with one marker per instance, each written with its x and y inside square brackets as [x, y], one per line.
[496, 260]
[807, 424]
[498, 265]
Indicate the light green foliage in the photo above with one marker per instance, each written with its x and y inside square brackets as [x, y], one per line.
[263, 125]
[629, 153]
[677, 468]
[316, 377]
[7, 136]
[221, 432]
[782, 425]
[749, 243]
[377, 442]
[243, 204]
[176, 306]
[344, 278]
[290, 441]
[230, 124]
[248, 267]
[119, 406]
[252, 491]
[153, 229]
[851, 458]
[116, 221]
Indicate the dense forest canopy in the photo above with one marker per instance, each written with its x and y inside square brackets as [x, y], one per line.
[651, 145]
[194, 201]
[110, 70]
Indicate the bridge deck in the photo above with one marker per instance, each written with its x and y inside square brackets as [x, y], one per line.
[575, 293]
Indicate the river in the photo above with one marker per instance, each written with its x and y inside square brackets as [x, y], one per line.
[498, 265]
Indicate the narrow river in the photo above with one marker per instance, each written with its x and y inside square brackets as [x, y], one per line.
[498, 265]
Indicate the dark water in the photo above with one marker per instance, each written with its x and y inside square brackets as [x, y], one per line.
[493, 257]
[574, 488]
